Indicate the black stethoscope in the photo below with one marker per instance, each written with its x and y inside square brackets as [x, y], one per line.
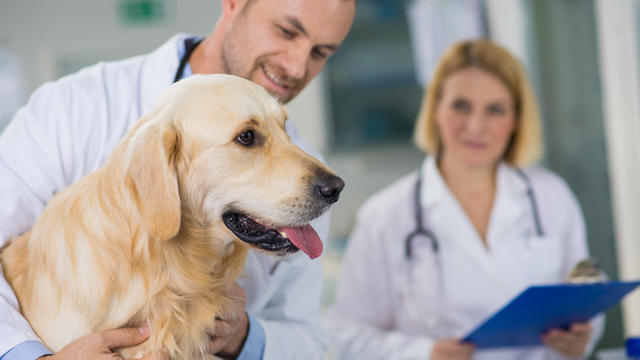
[190, 45]
[421, 230]
[424, 318]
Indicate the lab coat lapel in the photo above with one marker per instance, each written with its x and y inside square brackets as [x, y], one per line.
[508, 211]
[157, 73]
[447, 218]
[454, 228]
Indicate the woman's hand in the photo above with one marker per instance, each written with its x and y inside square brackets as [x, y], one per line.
[99, 345]
[451, 349]
[572, 343]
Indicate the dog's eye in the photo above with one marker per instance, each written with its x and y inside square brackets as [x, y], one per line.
[246, 137]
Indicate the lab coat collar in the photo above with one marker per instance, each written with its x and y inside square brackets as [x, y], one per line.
[511, 189]
[433, 188]
[509, 184]
[510, 199]
[510, 181]
[510, 204]
[158, 71]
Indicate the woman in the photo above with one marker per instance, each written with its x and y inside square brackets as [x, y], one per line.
[491, 228]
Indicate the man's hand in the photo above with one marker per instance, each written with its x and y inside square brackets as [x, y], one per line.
[231, 328]
[451, 349]
[572, 343]
[99, 345]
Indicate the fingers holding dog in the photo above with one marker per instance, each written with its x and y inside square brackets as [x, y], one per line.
[232, 327]
[100, 345]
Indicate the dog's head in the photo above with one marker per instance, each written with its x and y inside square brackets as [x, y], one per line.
[214, 153]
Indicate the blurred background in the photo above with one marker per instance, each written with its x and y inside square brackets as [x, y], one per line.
[582, 56]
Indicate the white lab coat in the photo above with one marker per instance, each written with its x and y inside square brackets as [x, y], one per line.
[67, 130]
[381, 313]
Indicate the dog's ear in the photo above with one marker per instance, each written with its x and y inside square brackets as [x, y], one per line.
[152, 172]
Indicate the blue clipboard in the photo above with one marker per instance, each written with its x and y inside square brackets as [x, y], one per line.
[540, 308]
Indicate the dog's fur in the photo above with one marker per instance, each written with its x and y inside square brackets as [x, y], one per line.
[142, 241]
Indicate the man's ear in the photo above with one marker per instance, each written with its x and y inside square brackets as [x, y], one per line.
[232, 6]
[152, 172]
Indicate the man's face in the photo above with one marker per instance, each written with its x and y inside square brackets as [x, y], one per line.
[283, 44]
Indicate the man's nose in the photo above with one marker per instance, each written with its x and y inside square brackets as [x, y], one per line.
[296, 62]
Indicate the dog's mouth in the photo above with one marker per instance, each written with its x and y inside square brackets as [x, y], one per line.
[283, 240]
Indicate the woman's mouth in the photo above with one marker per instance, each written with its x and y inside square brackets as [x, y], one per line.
[475, 144]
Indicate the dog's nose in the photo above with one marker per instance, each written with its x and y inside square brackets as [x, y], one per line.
[329, 188]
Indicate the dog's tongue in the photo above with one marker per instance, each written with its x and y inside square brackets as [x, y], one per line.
[305, 239]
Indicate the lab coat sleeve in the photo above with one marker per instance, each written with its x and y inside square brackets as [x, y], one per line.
[360, 323]
[291, 320]
[28, 155]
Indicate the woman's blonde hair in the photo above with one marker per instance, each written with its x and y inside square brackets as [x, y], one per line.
[526, 145]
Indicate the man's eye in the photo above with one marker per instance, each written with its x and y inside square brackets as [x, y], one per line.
[246, 138]
[319, 54]
[287, 33]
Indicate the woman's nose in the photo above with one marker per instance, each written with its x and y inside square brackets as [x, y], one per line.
[476, 122]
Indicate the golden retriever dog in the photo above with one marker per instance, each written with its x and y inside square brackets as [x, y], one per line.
[161, 231]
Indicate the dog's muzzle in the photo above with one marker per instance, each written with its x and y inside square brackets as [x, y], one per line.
[257, 234]
[285, 240]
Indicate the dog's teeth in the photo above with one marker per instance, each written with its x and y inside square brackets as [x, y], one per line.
[283, 234]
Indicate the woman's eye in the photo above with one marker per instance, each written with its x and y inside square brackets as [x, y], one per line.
[461, 105]
[497, 110]
[246, 137]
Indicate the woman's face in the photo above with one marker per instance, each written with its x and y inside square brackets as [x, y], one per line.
[476, 118]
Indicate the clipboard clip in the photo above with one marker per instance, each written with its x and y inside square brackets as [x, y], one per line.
[586, 272]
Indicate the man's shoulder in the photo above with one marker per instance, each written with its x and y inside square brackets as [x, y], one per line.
[104, 74]
[92, 79]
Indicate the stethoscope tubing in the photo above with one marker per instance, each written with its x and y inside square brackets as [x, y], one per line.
[190, 45]
[421, 230]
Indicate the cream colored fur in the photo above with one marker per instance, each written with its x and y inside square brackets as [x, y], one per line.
[141, 240]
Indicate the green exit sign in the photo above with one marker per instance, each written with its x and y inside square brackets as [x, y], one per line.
[142, 12]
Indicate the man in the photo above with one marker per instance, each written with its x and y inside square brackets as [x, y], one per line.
[69, 127]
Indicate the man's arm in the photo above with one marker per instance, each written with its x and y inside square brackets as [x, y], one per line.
[284, 300]
[27, 154]
[17, 339]
[291, 319]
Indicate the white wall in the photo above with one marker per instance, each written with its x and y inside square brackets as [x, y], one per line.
[619, 61]
[46, 34]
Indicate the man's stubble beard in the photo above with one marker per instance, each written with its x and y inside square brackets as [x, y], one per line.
[234, 63]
